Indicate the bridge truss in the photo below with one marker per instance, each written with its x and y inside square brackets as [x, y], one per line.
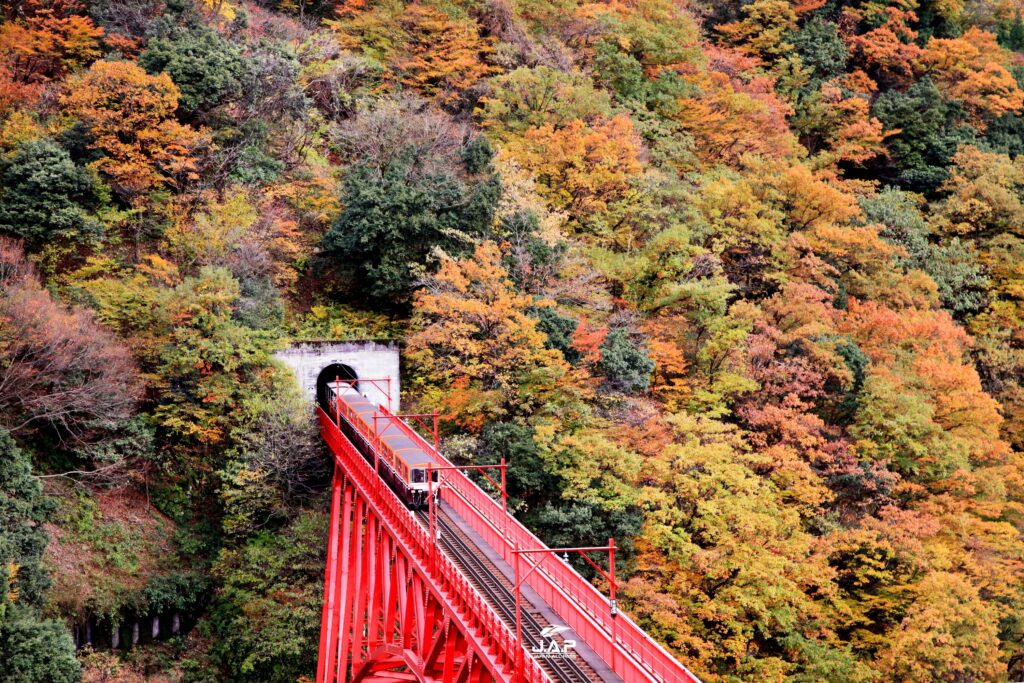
[395, 609]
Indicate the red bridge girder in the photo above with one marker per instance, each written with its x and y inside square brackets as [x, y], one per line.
[395, 611]
[391, 613]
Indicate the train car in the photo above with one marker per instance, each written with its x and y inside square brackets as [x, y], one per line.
[402, 464]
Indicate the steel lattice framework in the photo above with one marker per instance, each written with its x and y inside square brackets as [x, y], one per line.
[389, 614]
[396, 611]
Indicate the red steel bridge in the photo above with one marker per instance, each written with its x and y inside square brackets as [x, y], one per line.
[462, 594]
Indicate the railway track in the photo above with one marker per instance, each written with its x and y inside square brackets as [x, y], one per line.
[501, 595]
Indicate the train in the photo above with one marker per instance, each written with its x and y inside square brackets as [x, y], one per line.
[403, 464]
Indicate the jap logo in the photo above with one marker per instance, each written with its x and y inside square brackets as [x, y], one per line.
[549, 648]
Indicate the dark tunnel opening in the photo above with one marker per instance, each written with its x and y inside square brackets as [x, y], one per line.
[327, 377]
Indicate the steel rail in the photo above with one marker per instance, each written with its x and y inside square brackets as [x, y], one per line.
[465, 554]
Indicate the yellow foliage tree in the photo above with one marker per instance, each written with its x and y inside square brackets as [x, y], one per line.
[209, 236]
[949, 634]
[582, 169]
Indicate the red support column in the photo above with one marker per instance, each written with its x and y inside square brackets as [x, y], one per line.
[432, 513]
[329, 619]
[519, 619]
[351, 574]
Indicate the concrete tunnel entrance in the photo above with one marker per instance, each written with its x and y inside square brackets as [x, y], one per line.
[316, 363]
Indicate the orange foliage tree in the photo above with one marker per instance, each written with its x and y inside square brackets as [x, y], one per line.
[969, 69]
[843, 128]
[444, 56]
[731, 118]
[130, 115]
[888, 52]
[47, 40]
[477, 343]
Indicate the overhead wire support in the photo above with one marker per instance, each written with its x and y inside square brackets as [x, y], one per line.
[482, 469]
[520, 578]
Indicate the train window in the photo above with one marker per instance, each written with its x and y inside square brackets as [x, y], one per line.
[417, 477]
[435, 473]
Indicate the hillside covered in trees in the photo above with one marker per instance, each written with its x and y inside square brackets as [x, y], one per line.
[737, 282]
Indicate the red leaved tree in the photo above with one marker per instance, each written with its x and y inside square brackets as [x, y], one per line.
[58, 367]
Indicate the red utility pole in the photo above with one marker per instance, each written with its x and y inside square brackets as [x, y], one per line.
[582, 552]
[479, 468]
[418, 417]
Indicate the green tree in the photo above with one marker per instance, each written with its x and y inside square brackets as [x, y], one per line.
[820, 48]
[1011, 33]
[267, 614]
[620, 72]
[33, 650]
[1006, 134]
[209, 362]
[532, 97]
[530, 485]
[903, 224]
[45, 197]
[205, 67]
[963, 284]
[930, 128]
[397, 217]
[23, 509]
[953, 264]
[559, 330]
[625, 363]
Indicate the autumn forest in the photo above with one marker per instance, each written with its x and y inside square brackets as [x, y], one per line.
[739, 283]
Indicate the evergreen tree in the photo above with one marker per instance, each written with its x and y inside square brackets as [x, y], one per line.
[1011, 34]
[31, 649]
[625, 364]
[44, 196]
[23, 509]
[397, 217]
[205, 67]
[929, 129]
[559, 329]
[820, 48]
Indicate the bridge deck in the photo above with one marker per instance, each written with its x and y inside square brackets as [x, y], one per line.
[495, 578]
[474, 583]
